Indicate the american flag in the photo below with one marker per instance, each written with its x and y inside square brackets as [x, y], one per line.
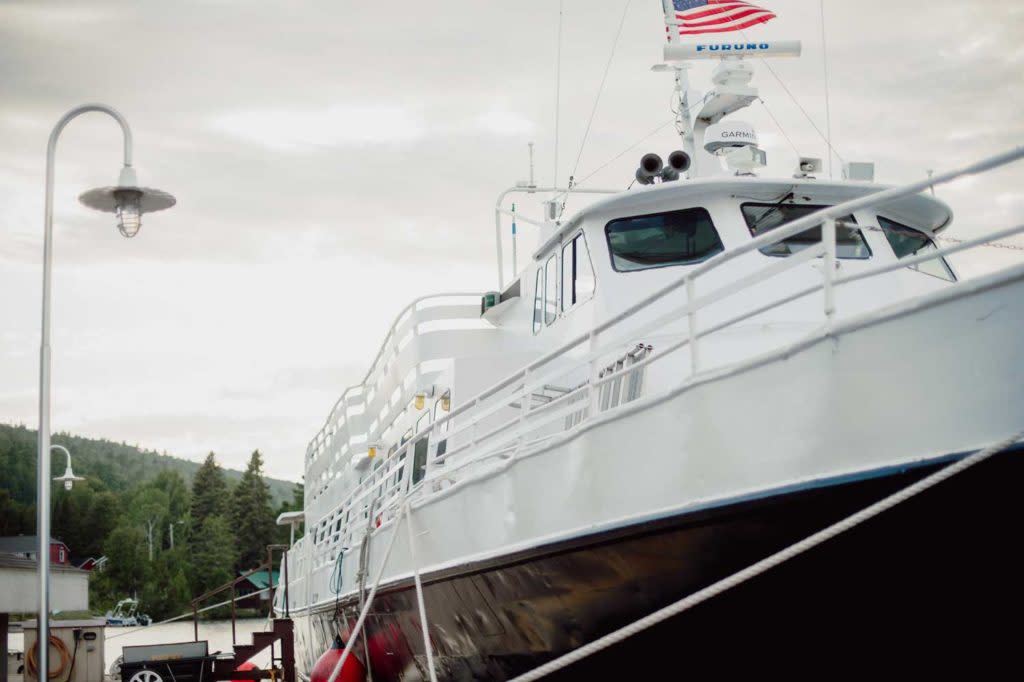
[717, 16]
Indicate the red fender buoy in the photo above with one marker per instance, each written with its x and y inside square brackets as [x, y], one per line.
[389, 654]
[352, 671]
[248, 665]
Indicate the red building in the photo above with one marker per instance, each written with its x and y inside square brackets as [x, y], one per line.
[26, 546]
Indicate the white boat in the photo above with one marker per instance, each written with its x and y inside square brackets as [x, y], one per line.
[678, 381]
[126, 614]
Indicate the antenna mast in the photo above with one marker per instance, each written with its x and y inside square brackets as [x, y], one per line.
[684, 125]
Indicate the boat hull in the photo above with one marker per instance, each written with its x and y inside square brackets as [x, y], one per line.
[943, 565]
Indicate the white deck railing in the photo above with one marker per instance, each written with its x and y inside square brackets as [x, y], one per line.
[477, 432]
[347, 428]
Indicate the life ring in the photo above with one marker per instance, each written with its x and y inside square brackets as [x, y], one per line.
[32, 657]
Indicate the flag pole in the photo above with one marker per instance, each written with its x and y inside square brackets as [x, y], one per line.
[684, 125]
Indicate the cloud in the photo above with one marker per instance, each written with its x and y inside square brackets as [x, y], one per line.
[501, 122]
[345, 125]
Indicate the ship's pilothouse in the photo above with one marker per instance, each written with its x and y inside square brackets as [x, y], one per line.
[700, 203]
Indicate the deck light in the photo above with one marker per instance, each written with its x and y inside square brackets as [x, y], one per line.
[446, 402]
[127, 201]
[421, 400]
[371, 450]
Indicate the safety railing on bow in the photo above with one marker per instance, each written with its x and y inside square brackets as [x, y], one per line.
[537, 403]
[347, 426]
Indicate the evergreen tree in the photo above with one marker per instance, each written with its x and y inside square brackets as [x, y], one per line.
[178, 498]
[252, 515]
[126, 552]
[213, 555]
[209, 492]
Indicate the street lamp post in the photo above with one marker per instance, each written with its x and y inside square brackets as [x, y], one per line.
[128, 201]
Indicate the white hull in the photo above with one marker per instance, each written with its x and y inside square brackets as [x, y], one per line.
[935, 376]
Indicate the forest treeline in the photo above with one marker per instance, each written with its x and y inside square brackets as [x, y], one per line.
[170, 528]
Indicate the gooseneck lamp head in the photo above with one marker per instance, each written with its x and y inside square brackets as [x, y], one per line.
[69, 477]
[127, 201]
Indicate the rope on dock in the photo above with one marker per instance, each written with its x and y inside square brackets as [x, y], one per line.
[769, 562]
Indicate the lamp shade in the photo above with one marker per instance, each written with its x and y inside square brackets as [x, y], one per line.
[128, 201]
[104, 199]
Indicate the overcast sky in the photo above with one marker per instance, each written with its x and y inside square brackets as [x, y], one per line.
[333, 160]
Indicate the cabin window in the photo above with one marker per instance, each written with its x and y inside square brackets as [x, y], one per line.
[551, 289]
[763, 218]
[577, 272]
[538, 301]
[419, 460]
[662, 239]
[906, 242]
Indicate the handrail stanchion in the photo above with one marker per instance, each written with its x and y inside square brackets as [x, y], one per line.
[593, 391]
[284, 560]
[524, 408]
[828, 266]
[691, 318]
[195, 621]
[233, 639]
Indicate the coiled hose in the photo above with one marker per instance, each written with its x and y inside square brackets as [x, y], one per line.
[31, 659]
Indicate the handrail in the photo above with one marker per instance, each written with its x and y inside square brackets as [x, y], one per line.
[825, 248]
[267, 566]
[384, 345]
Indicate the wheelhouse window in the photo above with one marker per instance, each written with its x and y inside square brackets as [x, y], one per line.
[906, 242]
[763, 218]
[538, 301]
[578, 281]
[662, 239]
[551, 289]
[545, 294]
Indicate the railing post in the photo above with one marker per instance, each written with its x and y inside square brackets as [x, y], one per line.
[195, 621]
[691, 318]
[473, 424]
[284, 560]
[270, 579]
[232, 614]
[828, 237]
[594, 390]
[524, 407]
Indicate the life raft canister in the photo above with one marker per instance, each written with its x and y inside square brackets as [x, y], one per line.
[352, 671]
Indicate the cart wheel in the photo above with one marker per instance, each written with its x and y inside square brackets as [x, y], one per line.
[146, 676]
[115, 668]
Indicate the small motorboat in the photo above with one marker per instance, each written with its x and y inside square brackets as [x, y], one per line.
[126, 614]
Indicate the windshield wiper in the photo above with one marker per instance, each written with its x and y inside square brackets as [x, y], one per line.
[769, 211]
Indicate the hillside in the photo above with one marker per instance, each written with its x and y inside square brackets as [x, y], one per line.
[117, 465]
